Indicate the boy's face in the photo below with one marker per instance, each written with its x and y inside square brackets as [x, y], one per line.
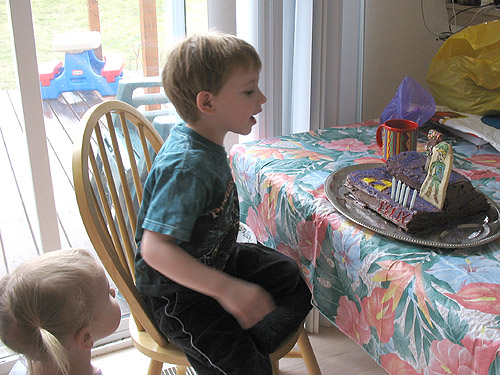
[238, 101]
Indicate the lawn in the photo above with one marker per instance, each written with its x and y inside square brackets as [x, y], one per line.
[120, 29]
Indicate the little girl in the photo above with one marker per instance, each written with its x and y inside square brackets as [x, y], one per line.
[53, 308]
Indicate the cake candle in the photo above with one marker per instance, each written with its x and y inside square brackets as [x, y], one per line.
[402, 194]
[398, 189]
[393, 188]
[407, 193]
[413, 198]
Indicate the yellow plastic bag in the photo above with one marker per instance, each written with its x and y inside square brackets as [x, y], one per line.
[465, 72]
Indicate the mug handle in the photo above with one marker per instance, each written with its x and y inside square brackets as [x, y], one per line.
[379, 135]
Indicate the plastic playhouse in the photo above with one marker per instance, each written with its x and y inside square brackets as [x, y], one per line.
[81, 70]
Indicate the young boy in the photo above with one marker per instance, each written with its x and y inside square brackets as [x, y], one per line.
[227, 305]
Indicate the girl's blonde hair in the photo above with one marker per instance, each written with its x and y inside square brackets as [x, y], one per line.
[203, 62]
[46, 299]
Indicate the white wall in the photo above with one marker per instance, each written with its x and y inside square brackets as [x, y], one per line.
[397, 44]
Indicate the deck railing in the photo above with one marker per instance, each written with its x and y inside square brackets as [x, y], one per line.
[149, 33]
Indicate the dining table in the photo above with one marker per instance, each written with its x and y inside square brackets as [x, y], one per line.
[415, 304]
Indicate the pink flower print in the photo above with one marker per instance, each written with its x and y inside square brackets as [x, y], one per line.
[310, 236]
[346, 144]
[379, 314]
[449, 358]
[276, 181]
[483, 350]
[396, 366]
[267, 213]
[318, 193]
[489, 160]
[375, 147]
[369, 159]
[333, 220]
[476, 174]
[324, 219]
[352, 322]
[306, 154]
[270, 141]
[264, 153]
[473, 358]
[483, 297]
[256, 225]
[236, 149]
[307, 244]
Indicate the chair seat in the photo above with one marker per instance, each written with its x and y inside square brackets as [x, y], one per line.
[147, 346]
[286, 346]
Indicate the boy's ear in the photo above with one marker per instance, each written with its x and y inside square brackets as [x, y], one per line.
[204, 101]
[84, 338]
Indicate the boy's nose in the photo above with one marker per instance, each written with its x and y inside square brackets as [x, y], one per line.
[262, 98]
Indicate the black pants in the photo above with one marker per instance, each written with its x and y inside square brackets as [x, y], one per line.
[212, 339]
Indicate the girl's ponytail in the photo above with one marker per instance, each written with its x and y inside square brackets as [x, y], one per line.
[56, 352]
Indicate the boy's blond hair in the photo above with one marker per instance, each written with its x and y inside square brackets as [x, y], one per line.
[203, 62]
[46, 299]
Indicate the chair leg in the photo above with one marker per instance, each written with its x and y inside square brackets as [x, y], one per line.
[181, 370]
[276, 367]
[294, 353]
[308, 354]
[155, 367]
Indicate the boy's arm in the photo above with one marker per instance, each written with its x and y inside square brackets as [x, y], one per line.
[247, 302]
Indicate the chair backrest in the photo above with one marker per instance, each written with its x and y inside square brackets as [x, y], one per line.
[110, 161]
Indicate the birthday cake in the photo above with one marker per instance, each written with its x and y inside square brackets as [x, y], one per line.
[393, 191]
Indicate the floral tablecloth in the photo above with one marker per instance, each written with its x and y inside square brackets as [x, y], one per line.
[414, 309]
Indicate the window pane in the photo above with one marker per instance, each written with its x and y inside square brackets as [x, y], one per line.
[120, 28]
[7, 78]
[196, 16]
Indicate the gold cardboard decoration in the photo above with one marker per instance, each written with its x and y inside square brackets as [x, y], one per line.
[434, 187]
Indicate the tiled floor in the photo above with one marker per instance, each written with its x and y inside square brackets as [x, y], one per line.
[336, 354]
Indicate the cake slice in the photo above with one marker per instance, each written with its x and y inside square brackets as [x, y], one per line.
[373, 188]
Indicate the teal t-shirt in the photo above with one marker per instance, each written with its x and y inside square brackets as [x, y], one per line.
[190, 195]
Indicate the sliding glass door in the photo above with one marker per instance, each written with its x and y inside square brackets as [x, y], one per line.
[39, 211]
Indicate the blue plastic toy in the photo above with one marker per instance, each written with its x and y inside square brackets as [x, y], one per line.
[82, 70]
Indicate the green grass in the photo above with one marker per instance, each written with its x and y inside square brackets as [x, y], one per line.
[120, 30]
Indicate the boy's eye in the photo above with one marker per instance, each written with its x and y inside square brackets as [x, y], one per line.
[249, 92]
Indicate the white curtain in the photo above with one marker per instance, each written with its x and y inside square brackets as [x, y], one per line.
[311, 52]
[283, 32]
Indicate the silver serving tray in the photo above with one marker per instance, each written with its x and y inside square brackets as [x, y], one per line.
[478, 230]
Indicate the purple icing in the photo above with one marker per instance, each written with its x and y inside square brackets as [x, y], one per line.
[462, 199]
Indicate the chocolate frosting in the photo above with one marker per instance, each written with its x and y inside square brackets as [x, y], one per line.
[372, 188]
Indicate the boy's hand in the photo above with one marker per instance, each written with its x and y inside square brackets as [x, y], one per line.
[248, 303]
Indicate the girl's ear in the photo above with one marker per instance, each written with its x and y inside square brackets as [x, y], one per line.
[205, 102]
[84, 338]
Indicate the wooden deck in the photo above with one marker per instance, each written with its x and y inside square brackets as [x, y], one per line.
[19, 237]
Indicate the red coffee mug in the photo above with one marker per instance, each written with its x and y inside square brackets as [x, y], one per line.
[396, 136]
